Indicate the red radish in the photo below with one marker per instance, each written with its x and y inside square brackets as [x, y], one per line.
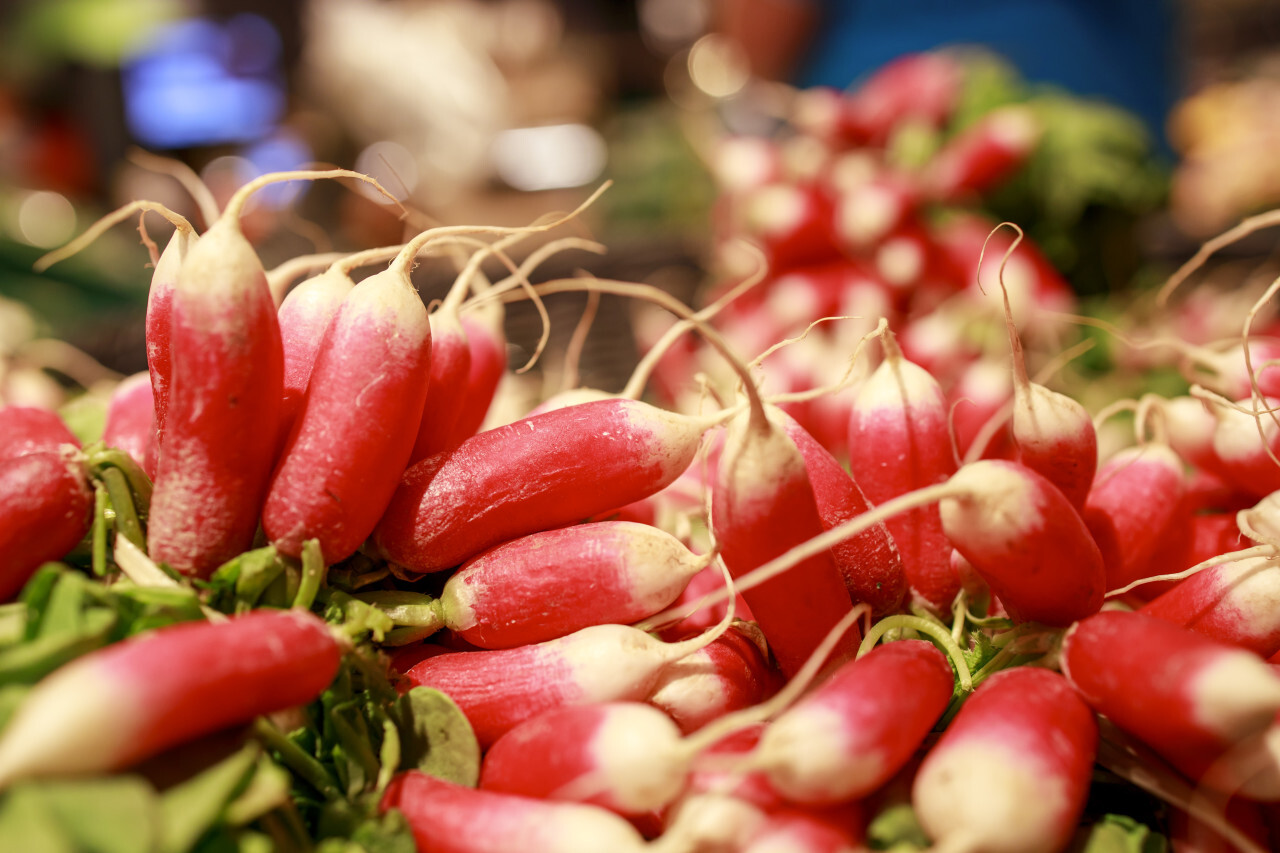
[978, 397]
[541, 472]
[46, 507]
[762, 505]
[1134, 498]
[983, 154]
[1189, 541]
[627, 757]
[899, 441]
[131, 421]
[840, 829]
[1236, 602]
[448, 384]
[304, 316]
[449, 818]
[855, 730]
[1229, 369]
[359, 418]
[1012, 771]
[28, 429]
[159, 297]
[1054, 434]
[792, 223]
[499, 689]
[871, 563]
[706, 583]
[730, 674]
[868, 213]
[1189, 426]
[719, 768]
[221, 428]
[917, 86]
[597, 573]
[159, 321]
[163, 688]
[1032, 280]
[711, 822]
[1244, 444]
[488, 347]
[742, 162]
[1024, 538]
[902, 259]
[1199, 696]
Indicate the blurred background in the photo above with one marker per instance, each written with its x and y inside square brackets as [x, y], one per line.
[1158, 124]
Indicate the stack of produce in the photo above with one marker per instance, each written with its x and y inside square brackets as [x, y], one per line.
[302, 601]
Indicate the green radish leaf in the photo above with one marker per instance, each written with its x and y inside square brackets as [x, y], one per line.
[268, 789]
[192, 807]
[31, 661]
[13, 623]
[27, 823]
[113, 814]
[35, 595]
[436, 737]
[353, 616]
[1122, 834]
[896, 828]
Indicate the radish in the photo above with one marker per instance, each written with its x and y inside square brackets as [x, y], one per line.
[762, 505]
[1134, 498]
[982, 155]
[499, 689]
[450, 818]
[855, 730]
[46, 507]
[792, 223]
[898, 441]
[919, 86]
[730, 674]
[1012, 771]
[159, 319]
[1021, 534]
[596, 573]
[1234, 371]
[359, 418]
[867, 214]
[304, 315]
[163, 688]
[487, 343]
[1245, 447]
[131, 421]
[627, 757]
[1054, 434]
[840, 829]
[1199, 696]
[29, 429]
[1236, 602]
[871, 563]
[220, 433]
[541, 472]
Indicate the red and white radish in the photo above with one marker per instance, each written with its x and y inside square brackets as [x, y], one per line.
[1237, 602]
[220, 433]
[359, 417]
[449, 818]
[46, 507]
[596, 573]
[163, 688]
[1199, 696]
[1012, 771]
[855, 730]
[131, 421]
[899, 441]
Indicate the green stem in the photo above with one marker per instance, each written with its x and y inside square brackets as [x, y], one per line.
[127, 522]
[938, 632]
[313, 573]
[98, 541]
[139, 483]
[296, 758]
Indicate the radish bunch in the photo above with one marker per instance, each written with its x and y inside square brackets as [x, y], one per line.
[941, 640]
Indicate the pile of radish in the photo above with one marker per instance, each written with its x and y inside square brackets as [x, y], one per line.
[295, 597]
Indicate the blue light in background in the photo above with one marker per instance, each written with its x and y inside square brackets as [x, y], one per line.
[201, 83]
